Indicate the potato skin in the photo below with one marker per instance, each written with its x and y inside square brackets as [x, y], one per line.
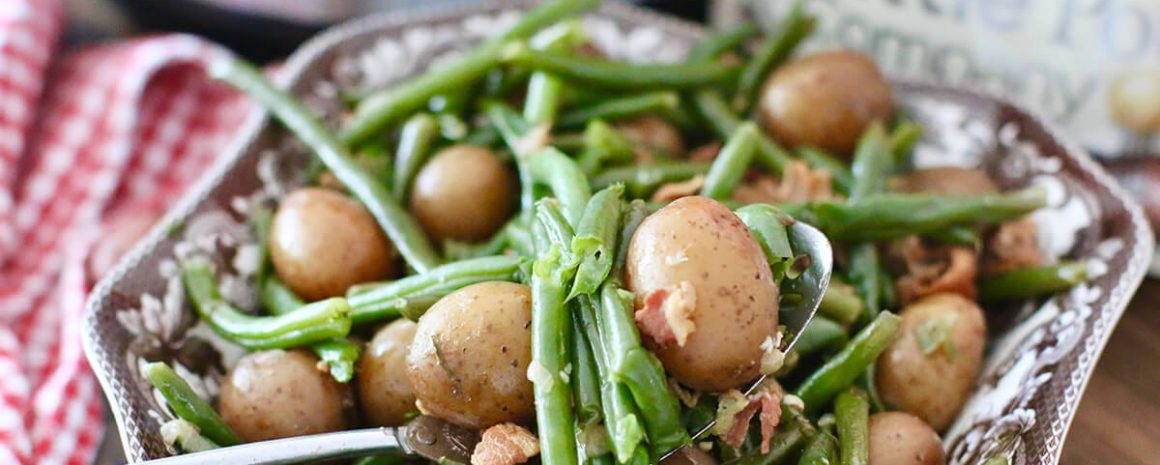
[699, 240]
[281, 393]
[653, 133]
[385, 394]
[825, 100]
[322, 242]
[898, 438]
[464, 193]
[946, 180]
[469, 361]
[933, 387]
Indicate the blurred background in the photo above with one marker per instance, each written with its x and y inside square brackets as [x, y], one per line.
[1119, 419]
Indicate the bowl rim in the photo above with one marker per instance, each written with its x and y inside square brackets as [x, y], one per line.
[305, 56]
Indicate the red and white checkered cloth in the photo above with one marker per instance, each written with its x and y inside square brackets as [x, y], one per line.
[85, 135]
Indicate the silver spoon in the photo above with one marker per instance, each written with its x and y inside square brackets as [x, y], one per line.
[435, 439]
[796, 313]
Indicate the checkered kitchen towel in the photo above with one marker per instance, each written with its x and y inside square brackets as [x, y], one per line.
[94, 143]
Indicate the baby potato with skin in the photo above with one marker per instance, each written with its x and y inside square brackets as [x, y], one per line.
[278, 394]
[898, 438]
[385, 394]
[701, 243]
[931, 367]
[463, 193]
[825, 100]
[469, 361]
[322, 242]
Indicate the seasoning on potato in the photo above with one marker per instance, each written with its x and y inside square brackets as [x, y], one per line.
[469, 360]
[322, 242]
[696, 264]
[826, 101]
[463, 193]
[898, 438]
[280, 394]
[930, 369]
[385, 394]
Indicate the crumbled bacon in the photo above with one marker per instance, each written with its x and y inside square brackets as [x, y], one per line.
[705, 153]
[799, 183]
[505, 444]
[934, 268]
[669, 192]
[1013, 245]
[766, 400]
[666, 314]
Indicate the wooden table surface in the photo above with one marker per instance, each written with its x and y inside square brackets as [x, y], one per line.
[1119, 419]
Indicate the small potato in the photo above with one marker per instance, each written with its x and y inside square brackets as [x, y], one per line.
[898, 438]
[464, 193]
[946, 180]
[279, 394]
[825, 100]
[469, 361]
[699, 249]
[385, 394]
[322, 242]
[930, 368]
[653, 133]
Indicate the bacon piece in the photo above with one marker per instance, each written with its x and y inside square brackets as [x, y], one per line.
[1013, 245]
[934, 268]
[705, 153]
[767, 401]
[669, 192]
[799, 183]
[666, 316]
[505, 444]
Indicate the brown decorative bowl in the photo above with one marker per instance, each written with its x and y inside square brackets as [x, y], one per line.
[1039, 357]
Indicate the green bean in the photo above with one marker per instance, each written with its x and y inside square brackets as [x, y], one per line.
[841, 370]
[852, 411]
[553, 399]
[868, 384]
[863, 269]
[841, 303]
[544, 90]
[774, 51]
[633, 215]
[514, 130]
[403, 231]
[451, 103]
[957, 235]
[873, 163]
[603, 144]
[552, 168]
[556, 229]
[821, 334]
[642, 180]
[724, 41]
[887, 291]
[717, 114]
[1026, 283]
[621, 417]
[768, 225]
[399, 297]
[903, 138]
[595, 241]
[586, 376]
[387, 107]
[890, 216]
[415, 143]
[638, 369]
[339, 354]
[187, 405]
[843, 180]
[485, 136]
[319, 321]
[822, 449]
[615, 75]
[731, 163]
[621, 108]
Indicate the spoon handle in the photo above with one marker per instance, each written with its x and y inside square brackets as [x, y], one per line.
[300, 449]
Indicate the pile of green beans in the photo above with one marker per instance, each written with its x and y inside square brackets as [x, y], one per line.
[558, 117]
